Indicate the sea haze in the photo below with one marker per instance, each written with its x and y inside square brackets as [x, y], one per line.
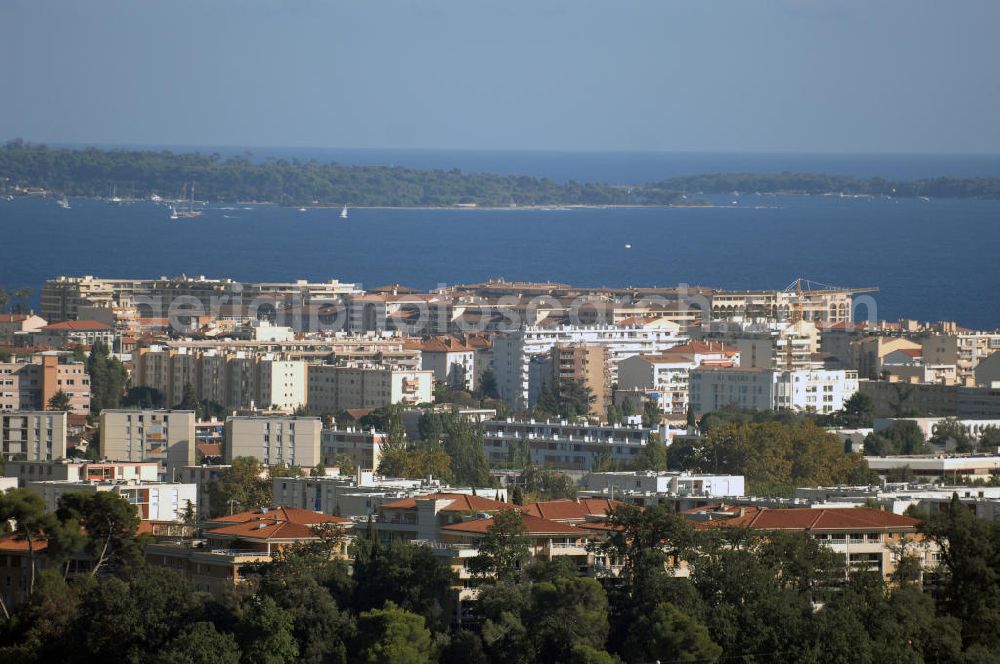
[924, 255]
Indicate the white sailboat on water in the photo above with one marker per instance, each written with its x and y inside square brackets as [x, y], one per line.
[343, 213]
[173, 213]
[63, 202]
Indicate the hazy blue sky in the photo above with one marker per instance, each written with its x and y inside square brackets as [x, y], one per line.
[719, 75]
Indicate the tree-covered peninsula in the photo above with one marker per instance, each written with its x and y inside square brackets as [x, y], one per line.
[95, 172]
[138, 174]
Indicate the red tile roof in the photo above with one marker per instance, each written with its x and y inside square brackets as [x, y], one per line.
[571, 510]
[78, 325]
[533, 525]
[460, 502]
[13, 318]
[275, 523]
[806, 518]
[14, 542]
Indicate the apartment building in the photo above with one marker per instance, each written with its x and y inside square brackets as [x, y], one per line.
[333, 388]
[868, 539]
[15, 327]
[245, 539]
[665, 377]
[273, 440]
[164, 436]
[69, 470]
[363, 448]
[808, 390]
[892, 399]
[586, 364]
[964, 349]
[452, 360]
[29, 384]
[513, 351]
[560, 444]
[76, 332]
[33, 435]
[282, 384]
[154, 501]
[63, 296]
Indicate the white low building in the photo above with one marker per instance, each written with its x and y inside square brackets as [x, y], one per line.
[807, 390]
[667, 483]
[154, 501]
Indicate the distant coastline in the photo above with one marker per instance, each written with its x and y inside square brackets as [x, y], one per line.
[30, 169]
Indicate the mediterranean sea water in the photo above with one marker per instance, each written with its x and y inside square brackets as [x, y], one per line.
[932, 260]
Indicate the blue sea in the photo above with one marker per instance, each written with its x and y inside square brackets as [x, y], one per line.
[932, 260]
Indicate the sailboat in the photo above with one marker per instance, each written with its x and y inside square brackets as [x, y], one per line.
[189, 213]
[63, 203]
[115, 200]
[343, 213]
[173, 213]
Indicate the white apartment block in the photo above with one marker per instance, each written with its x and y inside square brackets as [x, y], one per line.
[512, 352]
[164, 436]
[332, 388]
[274, 440]
[80, 471]
[33, 435]
[808, 390]
[282, 384]
[666, 483]
[561, 444]
[154, 501]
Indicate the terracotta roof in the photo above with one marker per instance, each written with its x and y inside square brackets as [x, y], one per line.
[805, 518]
[209, 449]
[440, 344]
[533, 525]
[78, 325]
[13, 318]
[358, 413]
[571, 510]
[15, 542]
[275, 523]
[912, 352]
[460, 502]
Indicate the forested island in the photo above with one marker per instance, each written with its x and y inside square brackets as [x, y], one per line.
[93, 172]
[138, 174]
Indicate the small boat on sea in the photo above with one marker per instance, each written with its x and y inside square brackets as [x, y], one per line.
[189, 213]
[343, 213]
[63, 203]
[173, 213]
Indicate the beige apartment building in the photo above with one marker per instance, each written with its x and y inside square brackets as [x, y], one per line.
[273, 440]
[586, 364]
[333, 388]
[282, 384]
[165, 436]
[965, 350]
[30, 384]
[33, 435]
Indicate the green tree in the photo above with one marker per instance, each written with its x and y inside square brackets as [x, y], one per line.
[503, 549]
[466, 447]
[26, 510]
[107, 379]
[614, 415]
[59, 401]
[859, 411]
[651, 415]
[189, 401]
[265, 632]
[110, 523]
[392, 635]
[950, 432]
[242, 486]
[901, 437]
[668, 634]
[143, 397]
[409, 575]
[488, 388]
[990, 438]
[199, 643]
[654, 455]
[564, 613]
[547, 484]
